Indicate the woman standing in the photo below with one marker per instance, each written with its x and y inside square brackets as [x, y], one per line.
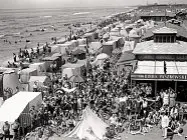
[172, 99]
[165, 98]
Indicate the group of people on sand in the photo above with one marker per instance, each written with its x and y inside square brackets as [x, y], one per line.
[25, 55]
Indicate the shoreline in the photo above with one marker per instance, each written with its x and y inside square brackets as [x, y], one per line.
[95, 22]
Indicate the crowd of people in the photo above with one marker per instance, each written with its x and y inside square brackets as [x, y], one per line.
[135, 110]
[108, 95]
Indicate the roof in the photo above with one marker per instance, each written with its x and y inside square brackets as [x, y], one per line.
[157, 14]
[38, 78]
[157, 67]
[56, 55]
[165, 30]
[181, 31]
[27, 70]
[36, 64]
[78, 51]
[102, 56]
[14, 106]
[150, 47]
[50, 58]
[79, 63]
[111, 42]
[126, 56]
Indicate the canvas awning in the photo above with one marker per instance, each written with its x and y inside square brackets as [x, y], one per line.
[76, 79]
[126, 56]
[56, 55]
[154, 70]
[40, 67]
[26, 73]
[50, 58]
[13, 107]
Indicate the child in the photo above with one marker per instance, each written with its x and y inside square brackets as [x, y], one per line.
[171, 133]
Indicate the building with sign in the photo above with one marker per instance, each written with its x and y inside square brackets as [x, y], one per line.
[157, 15]
[162, 62]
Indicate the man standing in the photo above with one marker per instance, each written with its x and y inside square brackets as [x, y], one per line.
[6, 130]
[35, 87]
[15, 127]
[165, 124]
[14, 57]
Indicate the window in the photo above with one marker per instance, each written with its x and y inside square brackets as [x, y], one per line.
[160, 39]
[168, 39]
[164, 39]
[172, 39]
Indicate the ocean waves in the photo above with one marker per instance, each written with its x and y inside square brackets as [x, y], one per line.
[81, 13]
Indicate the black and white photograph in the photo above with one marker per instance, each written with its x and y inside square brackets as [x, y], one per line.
[93, 69]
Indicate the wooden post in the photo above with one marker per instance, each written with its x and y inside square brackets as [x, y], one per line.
[155, 88]
[175, 86]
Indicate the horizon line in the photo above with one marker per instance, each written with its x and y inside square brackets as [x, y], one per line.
[69, 7]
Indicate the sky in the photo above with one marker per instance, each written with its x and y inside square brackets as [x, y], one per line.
[24, 4]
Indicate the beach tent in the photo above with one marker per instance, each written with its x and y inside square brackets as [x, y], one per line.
[123, 33]
[119, 41]
[90, 36]
[63, 48]
[1, 85]
[91, 127]
[100, 59]
[83, 47]
[126, 57]
[25, 74]
[41, 81]
[102, 56]
[69, 44]
[82, 41]
[134, 33]
[18, 106]
[54, 48]
[108, 47]
[128, 46]
[74, 43]
[76, 79]
[10, 82]
[40, 67]
[115, 32]
[61, 40]
[79, 53]
[70, 72]
[106, 29]
[94, 47]
[57, 55]
[71, 69]
[106, 36]
[1, 101]
[50, 60]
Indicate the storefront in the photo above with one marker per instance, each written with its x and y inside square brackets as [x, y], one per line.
[162, 63]
[161, 81]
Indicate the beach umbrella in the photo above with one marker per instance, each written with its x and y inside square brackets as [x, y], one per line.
[76, 79]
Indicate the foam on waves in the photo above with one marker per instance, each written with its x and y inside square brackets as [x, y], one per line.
[81, 13]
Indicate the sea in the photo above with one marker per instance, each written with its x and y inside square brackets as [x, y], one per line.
[20, 28]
